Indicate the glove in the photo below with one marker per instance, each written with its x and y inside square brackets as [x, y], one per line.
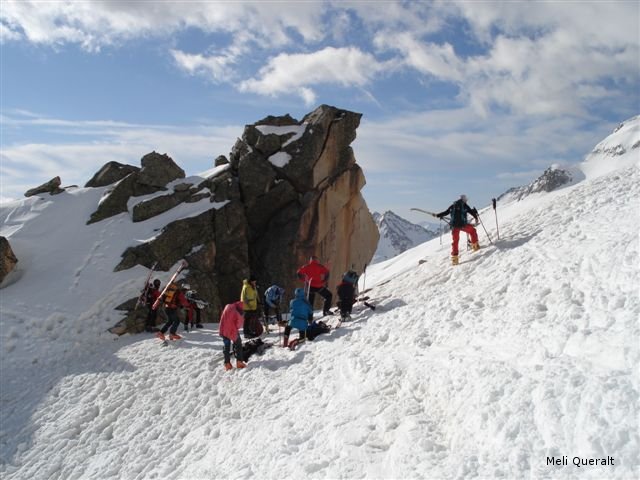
[440, 216]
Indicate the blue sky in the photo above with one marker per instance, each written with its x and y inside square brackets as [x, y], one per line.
[456, 97]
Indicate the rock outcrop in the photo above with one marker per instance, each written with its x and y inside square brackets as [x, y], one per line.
[111, 172]
[51, 187]
[289, 189]
[157, 170]
[8, 259]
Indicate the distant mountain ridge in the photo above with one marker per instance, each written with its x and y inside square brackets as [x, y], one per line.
[398, 235]
[551, 179]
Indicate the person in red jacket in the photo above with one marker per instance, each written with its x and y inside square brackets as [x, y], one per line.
[174, 299]
[317, 275]
[231, 321]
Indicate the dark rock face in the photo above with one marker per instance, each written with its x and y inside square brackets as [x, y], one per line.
[157, 170]
[111, 172]
[291, 189]
[8, 259]
[51, 187]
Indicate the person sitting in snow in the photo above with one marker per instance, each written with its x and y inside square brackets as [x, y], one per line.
[231, 321]
[272, 298]
[458, 222]
[299, 312]
[316, 275]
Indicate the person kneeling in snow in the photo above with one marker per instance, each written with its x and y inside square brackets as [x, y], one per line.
[299, 312]
[231, 321]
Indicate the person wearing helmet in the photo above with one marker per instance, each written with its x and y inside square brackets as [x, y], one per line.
[316, 275]
[458, 221]
[153, 292]
[272, 298]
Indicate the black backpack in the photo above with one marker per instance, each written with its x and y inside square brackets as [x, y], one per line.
[317, 328]
[458, 214]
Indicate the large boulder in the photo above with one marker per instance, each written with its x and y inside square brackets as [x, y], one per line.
[8, 259]
[291, 190]
[52, 187]
[111, 172]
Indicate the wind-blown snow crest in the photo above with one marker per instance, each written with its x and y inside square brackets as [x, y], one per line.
[528, 350]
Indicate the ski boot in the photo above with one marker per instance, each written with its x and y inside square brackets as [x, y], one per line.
[240, 364]
[228, 366]
[174, 336]
[475, 247]
[454, 259]
[160, 335]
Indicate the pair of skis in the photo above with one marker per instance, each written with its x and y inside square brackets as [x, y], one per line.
[143, 293]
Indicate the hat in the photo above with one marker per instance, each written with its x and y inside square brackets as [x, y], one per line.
[253, 278]
[156, 282]
[464, 198]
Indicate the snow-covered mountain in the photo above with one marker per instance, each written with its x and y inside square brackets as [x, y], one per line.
[398, 235]
[524, 355]
[551, 179]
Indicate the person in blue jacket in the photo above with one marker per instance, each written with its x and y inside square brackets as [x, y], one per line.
[299, 313]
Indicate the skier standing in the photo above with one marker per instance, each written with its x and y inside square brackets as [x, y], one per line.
[347, 294]
[152, 295]
[231, 321]
[249, 298]
[272, 298]
[174, 302]
[299, 312]
[317, 275]
[458, 211]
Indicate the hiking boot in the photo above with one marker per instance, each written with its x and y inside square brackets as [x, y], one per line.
[475, 247]
[228, 366]
[160, 335]
[454, 259]
[174, 336]
[240, 364]
[186, 327]
[199, 325]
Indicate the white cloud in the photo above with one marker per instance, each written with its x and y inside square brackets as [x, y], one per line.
[295, 73]
[84, 146]
[217, 68]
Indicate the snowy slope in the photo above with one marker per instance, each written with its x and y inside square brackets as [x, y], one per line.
[397, 235]
[529, 349]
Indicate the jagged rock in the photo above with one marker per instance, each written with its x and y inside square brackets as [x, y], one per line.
[292, 190]
[220, 160]
[111, 172]
[156, 169]
[51, 187]
[551, 179]
[8, 259]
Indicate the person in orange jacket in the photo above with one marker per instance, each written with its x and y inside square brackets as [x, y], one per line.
[317, 275]
[174, 301]
[231, 321]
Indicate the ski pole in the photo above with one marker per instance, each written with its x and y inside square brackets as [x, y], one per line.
[485, 230]
[493, 200]
[364, 278]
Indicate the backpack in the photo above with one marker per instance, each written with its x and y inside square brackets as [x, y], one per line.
[253, 346]
[317, 328]
[350, 277]
[458, 214]
[170, 295]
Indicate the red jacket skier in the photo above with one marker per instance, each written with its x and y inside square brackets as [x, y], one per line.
[231, 321]
[317, 275]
